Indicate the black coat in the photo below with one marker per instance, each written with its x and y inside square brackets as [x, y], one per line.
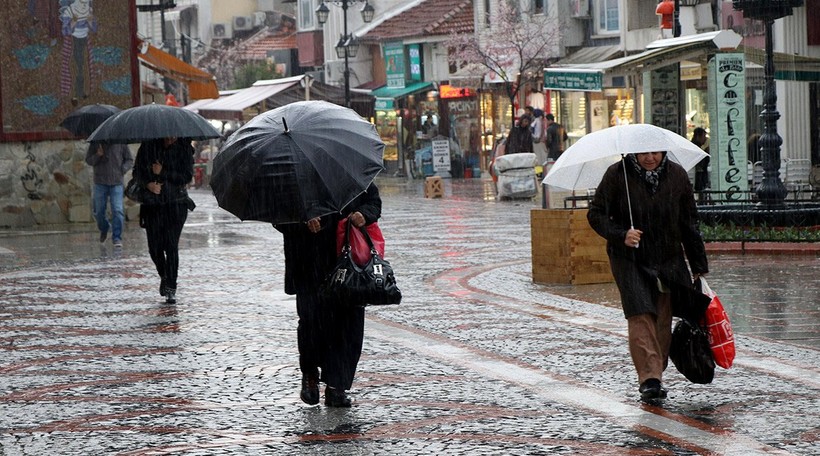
[310, 257]
[177, 170]
[669, 223]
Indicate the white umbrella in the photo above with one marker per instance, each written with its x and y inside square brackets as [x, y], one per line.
[584, 163]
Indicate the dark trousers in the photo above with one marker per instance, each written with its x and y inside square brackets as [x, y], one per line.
[163, 226]
[330, 338]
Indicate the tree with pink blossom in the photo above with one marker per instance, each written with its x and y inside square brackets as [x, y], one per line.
[510, 46]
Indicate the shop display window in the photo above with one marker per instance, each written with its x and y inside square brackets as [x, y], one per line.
[387, 126]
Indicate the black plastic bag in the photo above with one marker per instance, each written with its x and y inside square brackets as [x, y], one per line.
[690, 352]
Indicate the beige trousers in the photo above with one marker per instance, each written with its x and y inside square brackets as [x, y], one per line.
[649, 339]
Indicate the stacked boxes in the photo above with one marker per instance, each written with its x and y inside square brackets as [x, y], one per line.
[565, 249]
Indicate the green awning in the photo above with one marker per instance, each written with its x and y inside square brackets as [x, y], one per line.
[409, 89]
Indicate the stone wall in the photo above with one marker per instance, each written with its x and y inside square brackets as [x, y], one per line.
[46, 183]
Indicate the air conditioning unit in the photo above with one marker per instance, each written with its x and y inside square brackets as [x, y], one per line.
[242, 22]
[259, 18]
[221, 31]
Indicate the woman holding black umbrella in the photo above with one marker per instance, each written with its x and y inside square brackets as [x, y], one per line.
[330, 333]
[164, 167]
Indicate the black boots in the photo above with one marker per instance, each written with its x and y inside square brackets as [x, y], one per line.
[310, 389]
[336, 398]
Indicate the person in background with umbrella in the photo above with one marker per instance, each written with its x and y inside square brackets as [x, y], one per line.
[110, 162]
[647, 257]
[164, 167]
[330, 333]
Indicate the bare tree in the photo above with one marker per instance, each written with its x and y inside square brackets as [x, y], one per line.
[515, 46]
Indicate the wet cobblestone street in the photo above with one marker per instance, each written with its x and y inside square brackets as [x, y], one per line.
[477, 360]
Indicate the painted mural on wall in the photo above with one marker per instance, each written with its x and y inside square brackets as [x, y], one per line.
[58, 55]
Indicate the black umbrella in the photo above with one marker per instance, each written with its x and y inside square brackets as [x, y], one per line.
[154, 121]
[84, 120]
[290, 164]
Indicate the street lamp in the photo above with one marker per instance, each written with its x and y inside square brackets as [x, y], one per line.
[348, 44]
[771, 192]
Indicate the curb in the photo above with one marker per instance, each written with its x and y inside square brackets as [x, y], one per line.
[768, 248]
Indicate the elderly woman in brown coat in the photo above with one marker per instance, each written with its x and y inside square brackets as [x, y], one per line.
[648, 261]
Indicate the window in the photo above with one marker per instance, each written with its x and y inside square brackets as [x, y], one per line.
[307, 14]
[538, 6]
[606, 16]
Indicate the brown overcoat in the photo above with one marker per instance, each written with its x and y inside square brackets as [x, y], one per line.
[668, 219]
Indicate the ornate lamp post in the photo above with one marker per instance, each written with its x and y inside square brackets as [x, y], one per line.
[771, 191]
[348, 44]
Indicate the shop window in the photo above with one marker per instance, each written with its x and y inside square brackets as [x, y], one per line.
[606, 16]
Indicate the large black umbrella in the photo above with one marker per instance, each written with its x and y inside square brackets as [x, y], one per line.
[84, 120]
[293, 163]
[154, 121]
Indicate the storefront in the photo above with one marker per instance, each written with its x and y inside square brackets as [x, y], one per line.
[397, 120]
[460, 120]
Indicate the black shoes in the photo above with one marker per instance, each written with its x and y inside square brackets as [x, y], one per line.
[103, 236]
[651, 389]
[336, 398]
[310, 390]
[170, 296]
[162, 291]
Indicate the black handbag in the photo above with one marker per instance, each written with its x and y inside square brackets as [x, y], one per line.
[371, 284]
[134, 191]
[691, 353]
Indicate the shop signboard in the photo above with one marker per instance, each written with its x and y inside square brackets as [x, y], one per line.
[441, 155]
[663, 92]
[727, 114]
[394, 64]
[384, 104]
[573, 80]
[414, 53]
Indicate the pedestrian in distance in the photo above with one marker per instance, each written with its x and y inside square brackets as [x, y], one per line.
[165, 167]
[110, 162]
[649, 257]
[555, 137]
[520, 138]
[330, 333]
[702, 181]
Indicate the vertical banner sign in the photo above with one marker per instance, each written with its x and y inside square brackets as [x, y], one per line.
[414, 53]
[727, 121]
[441, 155]
[394, 64]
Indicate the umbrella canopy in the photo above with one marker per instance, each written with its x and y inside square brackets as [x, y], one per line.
[296, 162]
[584, 163]
[148, 122]
[84, 120]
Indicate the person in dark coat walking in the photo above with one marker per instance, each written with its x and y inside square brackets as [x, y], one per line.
[520, 138]
[330, 333]
[649, 260]
[164, 167]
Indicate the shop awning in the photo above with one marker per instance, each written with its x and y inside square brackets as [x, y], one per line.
[232, 107]
[658, 54]
[590, 54]
[201, 84]
[788, 67]
[409, 89]
[200, 103]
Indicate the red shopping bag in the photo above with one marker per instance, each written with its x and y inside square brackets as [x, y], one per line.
[359, 249]
[718, 328]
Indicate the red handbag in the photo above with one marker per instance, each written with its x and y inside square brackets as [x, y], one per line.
[718, 328]
[359, 249]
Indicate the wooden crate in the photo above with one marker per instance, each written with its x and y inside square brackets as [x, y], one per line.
[565, 249]
[433, 187]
